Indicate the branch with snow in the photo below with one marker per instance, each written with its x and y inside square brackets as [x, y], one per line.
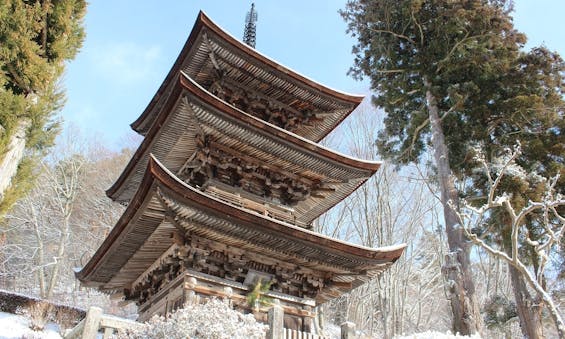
[552, 224]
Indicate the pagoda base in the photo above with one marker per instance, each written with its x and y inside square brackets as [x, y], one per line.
[193, 287]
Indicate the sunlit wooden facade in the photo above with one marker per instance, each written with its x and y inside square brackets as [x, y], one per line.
[223, 190]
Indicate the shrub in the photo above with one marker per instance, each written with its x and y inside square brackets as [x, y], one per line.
[498, 310]
[214, 319]
[39, 314]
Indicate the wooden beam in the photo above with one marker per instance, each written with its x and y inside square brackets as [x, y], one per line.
[341, 284]
[155, 264]
[260, 95]
[270, 167]
[211, 53]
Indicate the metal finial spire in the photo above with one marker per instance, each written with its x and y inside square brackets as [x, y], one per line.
[250, 27]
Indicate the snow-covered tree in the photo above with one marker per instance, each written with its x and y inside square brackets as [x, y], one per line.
[550, 222]
[61, 221]
[391, 208]
[450, 74]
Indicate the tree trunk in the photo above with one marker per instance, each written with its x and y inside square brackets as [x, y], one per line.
[543, 295]
[466, 314]
[528, 308]
[40, 249]
[15, 152]
[61, 251]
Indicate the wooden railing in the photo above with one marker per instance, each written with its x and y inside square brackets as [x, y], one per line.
[347, 332]
[294, 334]
[96, 322]
[277, 330]
[281, 213]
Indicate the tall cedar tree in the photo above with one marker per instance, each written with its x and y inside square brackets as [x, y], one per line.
[36, 38]
[450, 74]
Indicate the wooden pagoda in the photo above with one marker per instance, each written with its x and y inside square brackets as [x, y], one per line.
[222, 192]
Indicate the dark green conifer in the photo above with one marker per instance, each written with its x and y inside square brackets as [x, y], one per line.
[36, 39]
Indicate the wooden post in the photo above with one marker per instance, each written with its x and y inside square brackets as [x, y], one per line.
[347, 330]
[320, 317]
[190, 297]
[276, 321]
[307, 322]
[108, 331]
[228, 293]
[91, 323]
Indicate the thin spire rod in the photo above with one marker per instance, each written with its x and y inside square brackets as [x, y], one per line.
[250, 26]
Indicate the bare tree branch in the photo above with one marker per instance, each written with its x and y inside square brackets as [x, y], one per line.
[553, 229]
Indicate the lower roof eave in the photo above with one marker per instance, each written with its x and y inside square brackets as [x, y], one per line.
[157, 177]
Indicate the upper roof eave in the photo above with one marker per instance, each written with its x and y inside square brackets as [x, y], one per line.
[143, 122]
[185, 83]
[190, 85]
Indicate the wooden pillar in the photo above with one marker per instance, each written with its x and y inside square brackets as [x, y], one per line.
[91, 323]
[108, 332]
[347, 330]
[276, 321]
[320, 320]
[307, 321]
[228, 293]
[189, 294]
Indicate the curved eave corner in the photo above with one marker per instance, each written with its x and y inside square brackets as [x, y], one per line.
[136, 202]
[140, 125]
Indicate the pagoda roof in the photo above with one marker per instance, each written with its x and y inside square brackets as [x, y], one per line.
[209, 50]
[163, 204]
[191, 111]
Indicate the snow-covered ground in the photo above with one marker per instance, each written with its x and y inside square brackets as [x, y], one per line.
[14, 326]
[334, 331]
[436, 335]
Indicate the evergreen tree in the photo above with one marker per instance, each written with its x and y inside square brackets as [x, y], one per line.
[37, 37]
[530, 113]
[451, 74]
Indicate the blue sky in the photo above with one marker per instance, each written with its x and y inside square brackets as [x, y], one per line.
[131, 45]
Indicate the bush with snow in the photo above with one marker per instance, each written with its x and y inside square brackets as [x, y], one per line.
[16, 326]
[39, 314]
[214, 319]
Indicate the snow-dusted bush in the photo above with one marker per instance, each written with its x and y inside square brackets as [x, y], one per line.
[214, 319]
[39, 314]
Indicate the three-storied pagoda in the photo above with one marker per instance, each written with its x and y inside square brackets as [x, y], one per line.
[222, 192]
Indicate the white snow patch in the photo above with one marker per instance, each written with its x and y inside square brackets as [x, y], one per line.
[437, 335]
[14, 326]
